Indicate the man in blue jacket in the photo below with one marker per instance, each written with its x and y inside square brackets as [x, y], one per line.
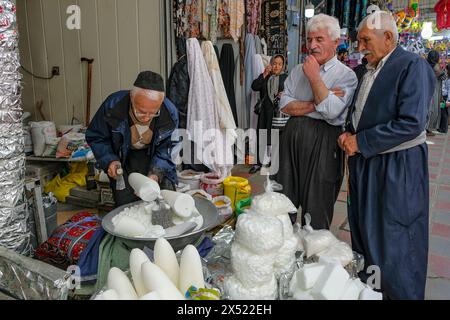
[133, 130]
[388, 161]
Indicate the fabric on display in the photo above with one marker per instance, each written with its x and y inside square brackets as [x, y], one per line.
[253, 16]
[236, 11]
[179, 82]
[225, 114]
[203, 111]
[250, 51]
[274, 14]
[227, 68]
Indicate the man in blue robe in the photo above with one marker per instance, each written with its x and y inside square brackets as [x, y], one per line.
[385, 140]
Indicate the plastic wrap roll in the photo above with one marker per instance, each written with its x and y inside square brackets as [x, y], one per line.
[14, 232]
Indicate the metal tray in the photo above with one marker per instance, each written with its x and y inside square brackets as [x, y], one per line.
[206, 208]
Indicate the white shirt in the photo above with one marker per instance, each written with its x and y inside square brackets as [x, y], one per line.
[366, 86]
[335, 75]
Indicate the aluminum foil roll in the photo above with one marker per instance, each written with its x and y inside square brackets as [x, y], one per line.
[14, 232]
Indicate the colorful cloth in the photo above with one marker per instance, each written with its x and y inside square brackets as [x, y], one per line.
[67, 243]
[236, 12]
[253, 16]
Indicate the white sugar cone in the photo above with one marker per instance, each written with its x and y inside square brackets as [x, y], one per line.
[182, 204]
[137, 258]
[147, 189]
[129, 227]
[156, 280]
[166, 259]
[191, 270]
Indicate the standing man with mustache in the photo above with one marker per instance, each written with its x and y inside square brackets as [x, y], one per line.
[388, 160]
[317, 95]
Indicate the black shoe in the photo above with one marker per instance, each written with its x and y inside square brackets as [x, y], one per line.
[255, 169]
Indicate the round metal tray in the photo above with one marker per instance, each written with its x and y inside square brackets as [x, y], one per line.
[206, 208]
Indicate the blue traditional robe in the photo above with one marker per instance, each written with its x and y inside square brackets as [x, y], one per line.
[389, 193]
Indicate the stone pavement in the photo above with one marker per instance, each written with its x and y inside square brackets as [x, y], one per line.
[438, 284]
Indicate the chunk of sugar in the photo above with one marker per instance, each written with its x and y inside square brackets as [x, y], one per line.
[308, 275]
[369, 294]
[352, 290]
[331, 283]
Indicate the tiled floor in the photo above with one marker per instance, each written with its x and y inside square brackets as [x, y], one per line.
[438, 284]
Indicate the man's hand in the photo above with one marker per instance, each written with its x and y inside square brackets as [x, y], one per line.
[311, 68]
[154, 177]
[351, 146]
[338, 92]
[267, 70]
[342, 139]
[112, 169]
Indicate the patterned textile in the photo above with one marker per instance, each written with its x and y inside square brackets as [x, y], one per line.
[203, 112]
[67, 243]
[253, 16]
[224, 18]
[194, 17]
[275, 27]
[179, 17]
[236, 11]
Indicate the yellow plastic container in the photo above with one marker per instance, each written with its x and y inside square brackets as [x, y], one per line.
[236, 189]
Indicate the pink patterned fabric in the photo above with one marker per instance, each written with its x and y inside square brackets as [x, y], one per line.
[253, 16]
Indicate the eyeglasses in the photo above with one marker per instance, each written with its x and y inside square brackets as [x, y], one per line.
[147, 114]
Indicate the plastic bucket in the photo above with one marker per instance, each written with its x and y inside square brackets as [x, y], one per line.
[236, 189]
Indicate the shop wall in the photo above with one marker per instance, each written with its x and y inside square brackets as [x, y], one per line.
[123, 36]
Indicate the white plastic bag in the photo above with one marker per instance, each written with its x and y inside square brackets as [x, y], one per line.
[316, 241]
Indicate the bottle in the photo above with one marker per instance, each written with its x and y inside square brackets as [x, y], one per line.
[120, 181]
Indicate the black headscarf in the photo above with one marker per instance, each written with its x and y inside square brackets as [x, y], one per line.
[433, 58]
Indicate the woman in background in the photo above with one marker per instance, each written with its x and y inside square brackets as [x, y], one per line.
[270, 85]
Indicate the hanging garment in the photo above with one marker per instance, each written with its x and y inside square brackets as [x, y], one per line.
[434, 114]
[180, 19]
[250, 51]
[226, 119]
[264, 46]
[236, 11]
[178, 84]
[203, 112]
[224, 18]
[258, 45]
[240, 87]
[227, 68]
[213, 26]
[253, 16]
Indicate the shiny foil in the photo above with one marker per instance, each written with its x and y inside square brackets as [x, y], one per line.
[14, 232]
[27, 279]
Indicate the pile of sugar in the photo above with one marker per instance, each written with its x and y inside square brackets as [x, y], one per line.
[143, 215]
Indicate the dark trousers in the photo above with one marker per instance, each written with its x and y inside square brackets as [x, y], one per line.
[138, 161]
[444, 121]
